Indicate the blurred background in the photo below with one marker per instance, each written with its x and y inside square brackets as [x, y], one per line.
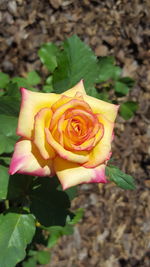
[115, 230]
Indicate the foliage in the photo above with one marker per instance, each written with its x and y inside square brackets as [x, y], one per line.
[128, 109]
[35, 210]
[120, 178]
[12, 226]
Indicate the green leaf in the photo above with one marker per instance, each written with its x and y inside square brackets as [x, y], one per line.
[4, 180]
[22, 82]
[48, 204]
[56, 232]
[104, 96]
[121, 179]
[31, 262]
[13, 90]
[77, 217]
[128, 81]
[48, 88]
[48, 55]
[107, 70]
[33, 78]
[8, 125]
[4, 79]
[19, 186]
[9, 106]
[8, 143]
[121, 88]
[43, 257]
[17, 231]
[92, 91]
[75, 62]
[128, 109]
[7, 133]
[71, 192]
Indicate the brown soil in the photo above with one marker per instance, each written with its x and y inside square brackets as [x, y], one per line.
[115, 230]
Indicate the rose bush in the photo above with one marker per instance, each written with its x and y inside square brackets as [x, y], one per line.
[67, 134]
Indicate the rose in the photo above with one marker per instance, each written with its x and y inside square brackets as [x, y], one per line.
[66, 134]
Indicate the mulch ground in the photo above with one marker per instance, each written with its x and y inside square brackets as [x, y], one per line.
[115, 230]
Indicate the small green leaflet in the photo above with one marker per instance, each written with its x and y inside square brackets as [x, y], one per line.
[77, 216]
[121, 179]
[22, 82]
[43, 257]
[48, 55]
[17, 231]
[56, 232]
[107, 70]
[128, 109]
[33, 78]
[128, 81]
[71, 192]
[48, 87]
[121, 88]
[31, 262]
[27, 82]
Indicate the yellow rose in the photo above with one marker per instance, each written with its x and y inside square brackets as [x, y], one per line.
[66, 134]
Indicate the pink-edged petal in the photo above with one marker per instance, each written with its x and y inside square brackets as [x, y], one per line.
[26, 159]
[61, 101]
[101, 152]
[71, 174]
[42, 121]
[62, 152]
[72, 104]
[79, 87]
[98, 106]
[31, 104]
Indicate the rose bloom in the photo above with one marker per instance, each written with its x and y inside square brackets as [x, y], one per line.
[65, 134]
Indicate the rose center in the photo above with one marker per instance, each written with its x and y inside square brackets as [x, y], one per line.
[76, 126]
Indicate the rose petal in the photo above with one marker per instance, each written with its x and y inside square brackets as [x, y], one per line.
[76, 92]
[32, 102]
[85, 146]
[72, 104]
[42, 121]
[87, 120]
[100, 152]
[71, 174]
[61, 101]
[68, 155]
[102, 107]
[79, 87]
[26, 159]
